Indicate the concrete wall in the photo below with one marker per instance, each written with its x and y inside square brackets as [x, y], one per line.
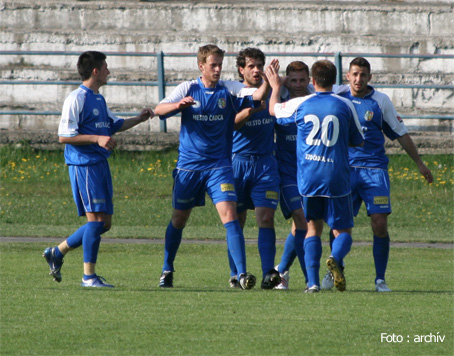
[405, 27]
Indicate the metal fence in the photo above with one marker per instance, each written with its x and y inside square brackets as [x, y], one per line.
[162, 84]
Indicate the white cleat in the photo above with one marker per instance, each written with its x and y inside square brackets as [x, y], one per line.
[327, 281]
[285, 277]
[380, 286]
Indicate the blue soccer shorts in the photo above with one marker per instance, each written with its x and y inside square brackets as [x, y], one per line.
[290, 199]
[92, 188]
[256, 182]
[336, 212]
[190, 187]
[370, 185]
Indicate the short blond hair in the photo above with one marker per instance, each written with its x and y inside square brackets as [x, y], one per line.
[208, 50]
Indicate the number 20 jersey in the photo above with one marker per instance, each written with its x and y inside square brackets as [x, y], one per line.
[327, 124]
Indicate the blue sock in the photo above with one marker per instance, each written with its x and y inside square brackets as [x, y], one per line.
[58, 253]
[233, 271]
[331, 239]
[380, 251]
[172, 243]
[89, 276]
[312, 255]
[91, 240]
[267, 248]
[342, 245]
[236, 245]
[299, 248]
[289, 254]
[75, 240]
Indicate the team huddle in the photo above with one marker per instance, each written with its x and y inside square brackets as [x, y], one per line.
[313, 147]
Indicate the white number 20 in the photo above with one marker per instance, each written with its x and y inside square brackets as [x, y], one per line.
[328, 142]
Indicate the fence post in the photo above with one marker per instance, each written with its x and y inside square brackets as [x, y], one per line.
[338, 63]
[161, 86]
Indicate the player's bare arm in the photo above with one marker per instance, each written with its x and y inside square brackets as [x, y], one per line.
[243, 116]
[144, 115]
[275, 83]
[166, 108]
[106, 142]
[408, 145]
[263, 91]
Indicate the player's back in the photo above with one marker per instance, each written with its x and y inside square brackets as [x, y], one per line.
[327, 124]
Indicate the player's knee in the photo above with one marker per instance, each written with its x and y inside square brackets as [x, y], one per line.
[266, 219]
[179, 220]
[380, 229]
[106, 227]
[300, 221]
[379, 223]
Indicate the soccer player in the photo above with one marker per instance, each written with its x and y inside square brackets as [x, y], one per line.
[369, 164]
[326, 125]
[208, 107]
[86, 127]
[296, 85]
[255, 168]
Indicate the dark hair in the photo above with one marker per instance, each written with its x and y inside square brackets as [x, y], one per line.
[324, 73]
[360, 62]
[88, 61]
[297, 66]
[249, 52]
[208, 50]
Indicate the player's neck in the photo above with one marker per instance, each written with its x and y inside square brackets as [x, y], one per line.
[322, 89]
[250, 85]
[91, 84]
[208, 83]
[360, 94]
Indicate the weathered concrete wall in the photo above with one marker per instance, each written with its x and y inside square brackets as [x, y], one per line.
[299, 27]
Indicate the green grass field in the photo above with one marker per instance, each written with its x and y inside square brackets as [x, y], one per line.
[37, 200]
[201, 315]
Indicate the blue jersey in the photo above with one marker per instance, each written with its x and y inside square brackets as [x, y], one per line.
[286, 148]
[326, 125]
[86, 113]
[286, 141]
[256, 137]
[378, 117]
[207, 127]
